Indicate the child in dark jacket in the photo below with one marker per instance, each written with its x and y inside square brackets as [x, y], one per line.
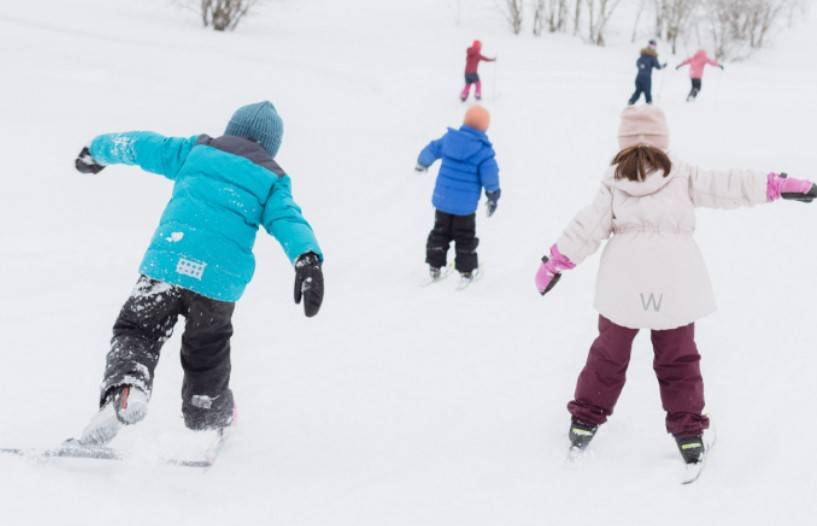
[199, 262]
[468, 166]
[643, 81]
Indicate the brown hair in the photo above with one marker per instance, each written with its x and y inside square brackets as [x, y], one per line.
[636, 162]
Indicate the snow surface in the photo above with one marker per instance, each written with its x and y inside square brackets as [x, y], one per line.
[397, 405]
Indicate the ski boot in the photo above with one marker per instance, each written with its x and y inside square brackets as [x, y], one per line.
[692, 448]
[123, 405]
[203, 412]
[435, 275]
[467, 278]
[581, 434]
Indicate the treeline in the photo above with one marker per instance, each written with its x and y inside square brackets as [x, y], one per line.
[732, 28]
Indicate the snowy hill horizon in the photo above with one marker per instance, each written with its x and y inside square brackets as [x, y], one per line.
[397, 405]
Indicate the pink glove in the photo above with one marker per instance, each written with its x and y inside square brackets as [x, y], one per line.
[550, 270]
[779, 185]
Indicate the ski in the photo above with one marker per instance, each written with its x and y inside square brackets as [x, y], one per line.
[466, 282]
[71, 448]
[574, 454]
[444, 273]
[692, 472]
[210, 455]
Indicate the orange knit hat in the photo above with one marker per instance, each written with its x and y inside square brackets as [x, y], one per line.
[643, 125]
[477, 117]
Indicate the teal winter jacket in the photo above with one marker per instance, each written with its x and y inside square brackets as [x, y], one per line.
[224, 189]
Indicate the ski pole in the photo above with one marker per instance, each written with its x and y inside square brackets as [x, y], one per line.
[718, 91]
[496, 74]
[661, 87]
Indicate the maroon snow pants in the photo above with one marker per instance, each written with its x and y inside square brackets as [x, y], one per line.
[676, 363]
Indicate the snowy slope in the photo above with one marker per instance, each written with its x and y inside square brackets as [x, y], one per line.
[396, 405]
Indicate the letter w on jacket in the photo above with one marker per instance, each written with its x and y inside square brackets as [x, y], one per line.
[468, 166]
[224, 190]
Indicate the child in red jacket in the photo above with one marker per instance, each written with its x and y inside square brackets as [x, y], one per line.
[472, 59]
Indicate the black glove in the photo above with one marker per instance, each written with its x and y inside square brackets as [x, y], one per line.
[493, 201]
[807, 197]
[309, 283]
[420, 168]
[723, 68]
[86, 164]
[678, 67]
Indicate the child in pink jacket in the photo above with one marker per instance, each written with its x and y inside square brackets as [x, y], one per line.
[697, 63]
[652, 275]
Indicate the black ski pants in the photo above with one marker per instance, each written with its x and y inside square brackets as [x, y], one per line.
[696, 88]
[461, 230]
[471, 78]
[642, 85]
[146, 321]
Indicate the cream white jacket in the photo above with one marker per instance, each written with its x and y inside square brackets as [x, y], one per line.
[652, 274]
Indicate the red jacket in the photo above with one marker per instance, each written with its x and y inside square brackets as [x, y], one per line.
[473, 57]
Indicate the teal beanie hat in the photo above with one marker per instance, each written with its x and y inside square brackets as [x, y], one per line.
[258, 122]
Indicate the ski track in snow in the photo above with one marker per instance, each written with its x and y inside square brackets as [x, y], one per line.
[397, 405]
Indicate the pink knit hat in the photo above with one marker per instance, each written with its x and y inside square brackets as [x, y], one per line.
[643, 125]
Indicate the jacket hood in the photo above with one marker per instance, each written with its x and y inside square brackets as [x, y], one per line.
[649, 51]
[654, 182]
[464, 143]
[701, 54]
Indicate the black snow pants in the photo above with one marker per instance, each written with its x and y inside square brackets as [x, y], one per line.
[643, 84]
[146, 322]
[696, 88]
[461, 230]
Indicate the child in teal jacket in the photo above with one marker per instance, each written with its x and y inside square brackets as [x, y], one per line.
[199, 261]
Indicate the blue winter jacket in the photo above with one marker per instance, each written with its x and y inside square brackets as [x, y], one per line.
[469, 164]
[224, 189]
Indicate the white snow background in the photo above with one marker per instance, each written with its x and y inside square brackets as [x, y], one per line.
[397, 405]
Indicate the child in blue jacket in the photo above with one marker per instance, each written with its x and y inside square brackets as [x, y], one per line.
[468, 166]
[199, 261]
